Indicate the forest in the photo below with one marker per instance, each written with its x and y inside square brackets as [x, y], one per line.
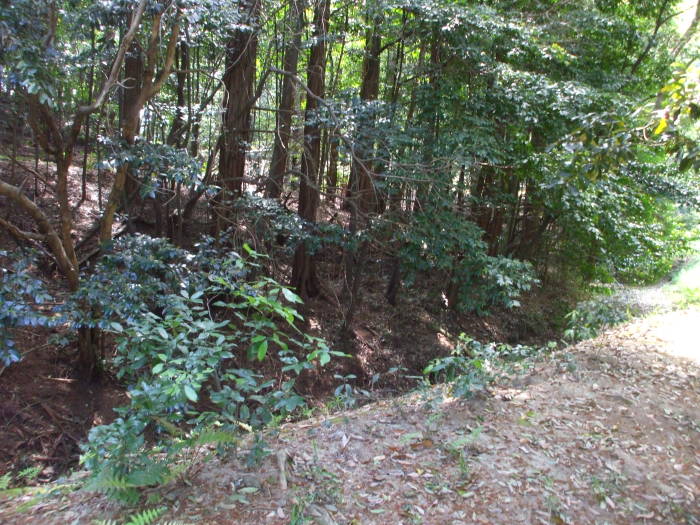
[216, 215]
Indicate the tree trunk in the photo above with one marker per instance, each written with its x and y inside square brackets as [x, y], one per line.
[304, 277]
[177, 128]
[89, 353]
[130, 109]
[150, 84]
[283, 129]
[433, 120]
[239, 79]
[361, 186]
[332, 173]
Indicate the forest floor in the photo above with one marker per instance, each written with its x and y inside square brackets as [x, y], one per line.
[46, 410]
[605, 431]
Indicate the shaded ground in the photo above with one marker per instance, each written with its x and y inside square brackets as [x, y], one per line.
[45, 411]
[607, 431]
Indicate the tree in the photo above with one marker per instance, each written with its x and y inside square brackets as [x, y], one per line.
[283, 128]
[39, 82]
[239, 82]
[304, 278]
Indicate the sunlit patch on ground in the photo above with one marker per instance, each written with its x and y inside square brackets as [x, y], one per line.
[678, 331]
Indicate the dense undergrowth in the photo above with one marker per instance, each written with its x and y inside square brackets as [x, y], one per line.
[185, 332]
[442, 156]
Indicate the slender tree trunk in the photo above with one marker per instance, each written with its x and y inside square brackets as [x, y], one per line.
[283, 129]
[332, 173]
[433, 120]
[150, 84]
[130, 109]
[361, 184]
[661, 19]
[177, 128]
[304, 277]
[397, 196]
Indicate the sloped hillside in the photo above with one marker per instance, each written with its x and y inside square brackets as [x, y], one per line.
[607, 431]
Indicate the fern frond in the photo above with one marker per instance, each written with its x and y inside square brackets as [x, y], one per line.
[146, 517]
[108, 482]
[153, 474]
[173, 473]
[5, 481]
[114, 486]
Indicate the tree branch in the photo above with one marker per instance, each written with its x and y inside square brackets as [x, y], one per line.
[14, 230]
[169, 56]
[50, 235]
[119, 59]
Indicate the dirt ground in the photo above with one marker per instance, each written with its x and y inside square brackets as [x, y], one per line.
[607, 431]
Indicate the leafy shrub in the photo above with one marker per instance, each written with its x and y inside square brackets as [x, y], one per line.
[448, 246]
[21, 297]
[473, 365]
[590, 317]
[184, 325]
[269, 220]
[155, 165]
[627, 232]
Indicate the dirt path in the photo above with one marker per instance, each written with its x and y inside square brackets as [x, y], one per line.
[607, 431]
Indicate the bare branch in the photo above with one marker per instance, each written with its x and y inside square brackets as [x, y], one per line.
[35, 174]
[51, 236]
[169, 56]
[14, 230]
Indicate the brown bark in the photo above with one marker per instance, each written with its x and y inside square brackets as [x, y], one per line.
[151, 84]
[304, 277]
[60, 143]
[177, 128]
[283, 129]
[423, 189]
[49, 234]
[361, 185]
[369, 92]
[239, 78]
[397, 196]
[332, 173]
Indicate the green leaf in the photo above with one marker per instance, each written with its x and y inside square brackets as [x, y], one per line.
[291, 296]
[262, 350]
[191, 393]
[663, 124]
[324, 358]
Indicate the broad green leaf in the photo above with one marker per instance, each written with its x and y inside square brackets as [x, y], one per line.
[190, 393]
[262, 350]
[291, 296]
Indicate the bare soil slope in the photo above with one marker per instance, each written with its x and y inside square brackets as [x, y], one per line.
[607, 431]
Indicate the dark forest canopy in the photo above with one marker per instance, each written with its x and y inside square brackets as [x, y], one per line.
[474, 148]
